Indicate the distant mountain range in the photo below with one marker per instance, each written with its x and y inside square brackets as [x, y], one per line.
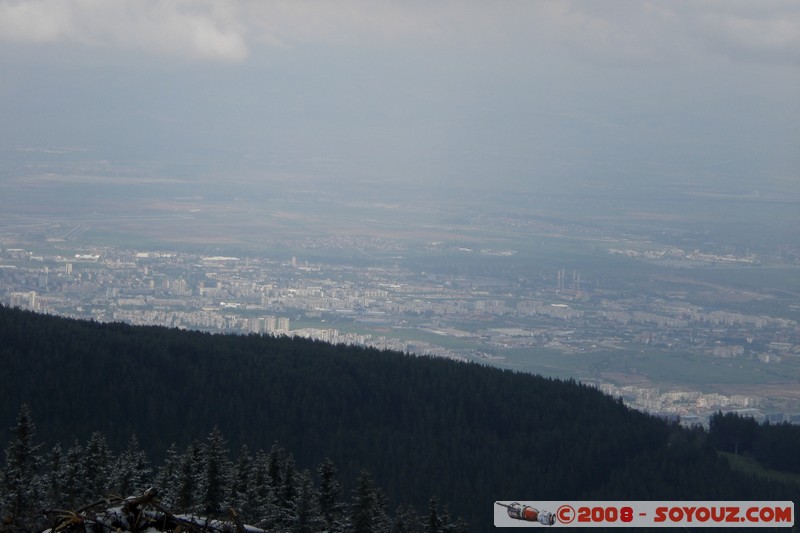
[465, 433]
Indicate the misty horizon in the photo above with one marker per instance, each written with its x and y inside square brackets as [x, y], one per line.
[649, 147]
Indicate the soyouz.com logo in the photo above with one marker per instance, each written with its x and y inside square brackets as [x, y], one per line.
[644, 514]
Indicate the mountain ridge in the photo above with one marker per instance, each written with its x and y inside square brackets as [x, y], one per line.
[466, 433]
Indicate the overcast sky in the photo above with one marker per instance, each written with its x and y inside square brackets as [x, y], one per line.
[513, 92]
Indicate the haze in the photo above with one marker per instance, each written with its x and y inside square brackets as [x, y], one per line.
[522, 93]
[649, 149]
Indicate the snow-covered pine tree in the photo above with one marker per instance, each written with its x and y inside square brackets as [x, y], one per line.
[186, 496]
[53, 489]
[216, 479]
[406, 520]
[73, 478]
[432, 523]
[272, 514]
[167, 479]
[329, 495]
[287, 491]
[22, 484]
[275, 461]
[241, 478]
[363, 509]
[382, 521]
[131, 471]
[260, 495]
[97, 464]
[449, 525]
[307, 516]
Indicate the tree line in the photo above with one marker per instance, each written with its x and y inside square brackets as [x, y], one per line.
[265, 488]
[775, 446]
[466, 433]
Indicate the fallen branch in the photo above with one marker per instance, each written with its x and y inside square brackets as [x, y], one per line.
[138, 513]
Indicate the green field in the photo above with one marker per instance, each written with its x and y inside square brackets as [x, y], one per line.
[751, 466]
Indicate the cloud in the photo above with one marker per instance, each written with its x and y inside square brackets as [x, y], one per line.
[196, 30]
[35, 22]
[230, 30]
[656, 31]
[754, 31]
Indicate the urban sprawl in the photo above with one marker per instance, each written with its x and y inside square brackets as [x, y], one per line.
[391, 307]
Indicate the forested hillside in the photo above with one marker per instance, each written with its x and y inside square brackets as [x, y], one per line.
[463, 433]
[203, 482]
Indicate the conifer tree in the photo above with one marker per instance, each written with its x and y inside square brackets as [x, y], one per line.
[131, 473]
[22, 489]
[186, 494]
[448, 525]
[241, 478]
[275, 461]
[363, 506]
[54, 491]
[73, 477]
[432, 523]
[330, 506]
[97, 462]
[216, 474]
[406, 520]
[168, 479]
[292, 504]
[287, 491]
[273, 513]
[307, 516]
[258, 490]
[382, 521]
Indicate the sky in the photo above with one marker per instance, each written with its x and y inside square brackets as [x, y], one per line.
[520, 93]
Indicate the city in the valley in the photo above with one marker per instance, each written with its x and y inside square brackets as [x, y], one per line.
[682, 299]
[657, 350]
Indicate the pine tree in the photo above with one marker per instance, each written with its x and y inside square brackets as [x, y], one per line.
[186, 494]
[406, 520]
[363, 505]
[287, 491]
[449, 525]
[241, 478]
[216, 474]
[73, 477]
[273, 512]
[97, 462]
[54, 491]
[382, 521]
[330, 506]
[433, 523]
[275, 461]
[168, 479]
[131, 473]
[308, 518]
[258, 490]
[22, 488]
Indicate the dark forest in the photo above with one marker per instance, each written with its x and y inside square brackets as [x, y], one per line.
[412, 436]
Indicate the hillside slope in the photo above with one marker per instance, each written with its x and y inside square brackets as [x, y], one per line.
[466, 433]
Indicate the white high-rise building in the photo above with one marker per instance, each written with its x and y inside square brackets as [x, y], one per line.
[283, 326]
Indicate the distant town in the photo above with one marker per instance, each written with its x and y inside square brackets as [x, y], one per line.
[493, 320]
